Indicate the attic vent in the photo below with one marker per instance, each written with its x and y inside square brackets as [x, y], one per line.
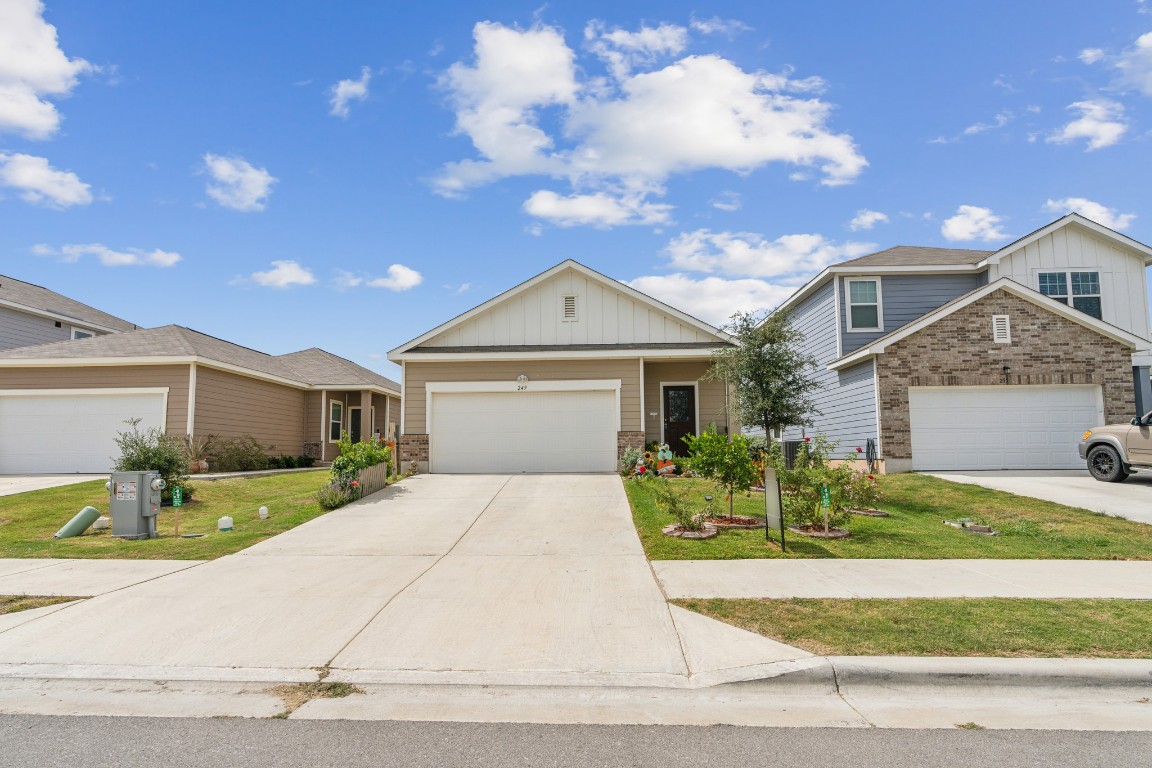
[569, 309]
[1001, 329]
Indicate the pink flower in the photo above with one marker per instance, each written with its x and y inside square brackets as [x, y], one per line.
[871, 477]
[859, 449]
[355, 484]
[807, 439]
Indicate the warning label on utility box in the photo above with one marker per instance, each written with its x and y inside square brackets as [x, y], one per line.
[126, 490]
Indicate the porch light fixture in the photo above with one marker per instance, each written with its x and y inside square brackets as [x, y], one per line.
[1007, 370]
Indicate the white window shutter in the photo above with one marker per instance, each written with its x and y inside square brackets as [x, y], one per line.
[1001, 329]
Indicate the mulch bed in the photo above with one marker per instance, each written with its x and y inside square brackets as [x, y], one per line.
[708, 532]
[817, 532]
[736, 521]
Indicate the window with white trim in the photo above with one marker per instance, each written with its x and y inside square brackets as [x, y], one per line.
[335, 420]
[1077, 289]
[865, 310]
[80, 333]
[1001, 329]
[568, 308]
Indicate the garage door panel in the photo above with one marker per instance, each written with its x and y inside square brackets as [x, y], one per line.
[571, 431]
[988, 428]
[65, 433]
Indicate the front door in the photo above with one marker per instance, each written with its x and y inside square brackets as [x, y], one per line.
[354, 422]
[679, 416]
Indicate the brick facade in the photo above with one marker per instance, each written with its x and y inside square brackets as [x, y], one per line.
[413, 448]
[629, 440]
[958, 351]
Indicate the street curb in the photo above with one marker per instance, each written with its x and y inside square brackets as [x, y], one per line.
[987, 672]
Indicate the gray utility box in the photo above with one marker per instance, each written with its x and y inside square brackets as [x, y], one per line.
[135, 502]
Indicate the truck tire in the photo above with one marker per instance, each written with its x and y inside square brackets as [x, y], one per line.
[1105, 465]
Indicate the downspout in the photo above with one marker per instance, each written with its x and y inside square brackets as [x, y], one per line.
[643, 409]
[323, 425]
[189, 429]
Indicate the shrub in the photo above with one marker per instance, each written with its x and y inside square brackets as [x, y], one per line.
[726, 460]
[673, 499]
[153, 450]
[304, 462]
[357, 456]
[628, 460]
[336, 495]
[800, 486]
[237, 454]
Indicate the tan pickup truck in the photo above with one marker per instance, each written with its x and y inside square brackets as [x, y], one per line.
[1115, 451]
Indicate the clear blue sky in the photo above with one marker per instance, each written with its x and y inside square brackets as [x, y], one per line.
[349, 175]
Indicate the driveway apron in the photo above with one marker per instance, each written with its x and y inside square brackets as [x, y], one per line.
[438, 574]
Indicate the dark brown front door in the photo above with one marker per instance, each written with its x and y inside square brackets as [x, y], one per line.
[355, 428]
[679, 417]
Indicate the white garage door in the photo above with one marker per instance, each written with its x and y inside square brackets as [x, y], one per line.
[1001, 427]
[523, 432]
[69, 432]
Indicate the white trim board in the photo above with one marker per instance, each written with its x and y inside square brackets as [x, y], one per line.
[848, 303]
[597, 354]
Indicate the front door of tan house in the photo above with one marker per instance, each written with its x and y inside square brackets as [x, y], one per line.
[679, 416]
[355, 431]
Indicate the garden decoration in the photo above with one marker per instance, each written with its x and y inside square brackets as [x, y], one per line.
[665, 466]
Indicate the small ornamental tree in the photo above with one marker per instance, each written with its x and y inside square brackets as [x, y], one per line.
[768, 371]
[725, 460]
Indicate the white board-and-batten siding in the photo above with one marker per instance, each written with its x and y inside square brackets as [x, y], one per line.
[1123, 288]
[535, 317]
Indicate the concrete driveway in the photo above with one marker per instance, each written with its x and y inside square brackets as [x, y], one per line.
[13, 484]
[464, 579]
[1075, 488]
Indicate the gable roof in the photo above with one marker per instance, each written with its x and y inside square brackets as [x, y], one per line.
[1072, 218]
[881, 344]
[308, 369]
[917, 256]
[41, 301]
[720, 337]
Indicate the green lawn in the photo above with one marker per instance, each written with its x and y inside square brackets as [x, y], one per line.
[16, 603]
[946, 627]
[1029, 528]
[28, 520]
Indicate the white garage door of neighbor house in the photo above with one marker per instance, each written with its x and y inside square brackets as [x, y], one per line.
[1009, 427]
[477, 432]
[66, 433]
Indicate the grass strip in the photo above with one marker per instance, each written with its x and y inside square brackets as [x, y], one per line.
[1006, 627]
[17, 603]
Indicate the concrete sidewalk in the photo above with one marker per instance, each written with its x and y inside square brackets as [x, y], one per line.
[1131, 580]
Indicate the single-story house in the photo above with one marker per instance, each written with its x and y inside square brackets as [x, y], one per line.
[31, 314]
[62, 404]
[558, 374]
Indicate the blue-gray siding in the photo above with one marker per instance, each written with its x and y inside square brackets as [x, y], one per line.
[847, 399]
[905, 298]
[19, 329]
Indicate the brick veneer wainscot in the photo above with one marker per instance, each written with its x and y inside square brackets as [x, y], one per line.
[413, 448]
[629, 440]
[958, 351]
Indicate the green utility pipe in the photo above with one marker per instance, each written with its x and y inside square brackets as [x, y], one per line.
[78, 524]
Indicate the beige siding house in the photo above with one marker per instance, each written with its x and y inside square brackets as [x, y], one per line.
[558, 374]
[62, 404]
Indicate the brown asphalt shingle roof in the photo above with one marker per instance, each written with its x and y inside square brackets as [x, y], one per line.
[37, 297]
[314, 367]
[918, 256]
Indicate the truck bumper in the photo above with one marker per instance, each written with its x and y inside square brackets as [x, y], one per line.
[1083, 449]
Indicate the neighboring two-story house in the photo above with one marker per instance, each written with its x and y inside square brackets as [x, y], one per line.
[961, 359]
[32, 315]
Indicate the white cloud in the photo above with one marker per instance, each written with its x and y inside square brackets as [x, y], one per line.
[972, 222]
[1002, 119]
[239, 185]
[400, 278]
[529, 111]
[38, 182]
[1098, 212]
[598, 209]
[32, 69]
[284, 274]
[1091, 55]
[1101, 122]
[131, 257]
[748, 254]
[727, 201]
[866, 219]
[712, 299]
[1135, 65]
[350, 90]
[719, 26]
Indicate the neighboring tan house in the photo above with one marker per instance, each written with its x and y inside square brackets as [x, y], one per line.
[31, 315]
[980, 360]
[62, 404]
[558, 374]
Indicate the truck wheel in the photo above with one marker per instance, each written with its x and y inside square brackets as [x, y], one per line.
[1104, 464]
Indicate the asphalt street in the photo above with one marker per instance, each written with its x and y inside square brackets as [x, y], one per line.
[76, 742]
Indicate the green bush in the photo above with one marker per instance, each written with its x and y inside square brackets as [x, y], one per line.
[800, 486]
[304, 462]
[357, 456]
[236, 454]
[726, 460]
[628, 459]
[153, 450]
[335, 495]
[673, 499]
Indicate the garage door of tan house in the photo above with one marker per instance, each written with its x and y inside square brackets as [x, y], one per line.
[1008, 427]
[544, 427]
[71, 430]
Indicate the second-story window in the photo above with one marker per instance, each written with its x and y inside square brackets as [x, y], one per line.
[864, 307]
[1078, 289]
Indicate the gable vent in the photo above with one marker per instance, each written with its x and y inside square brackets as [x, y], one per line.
[1001, 329]
[569, 308]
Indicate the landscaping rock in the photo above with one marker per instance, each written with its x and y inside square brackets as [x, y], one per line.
[707, 532]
